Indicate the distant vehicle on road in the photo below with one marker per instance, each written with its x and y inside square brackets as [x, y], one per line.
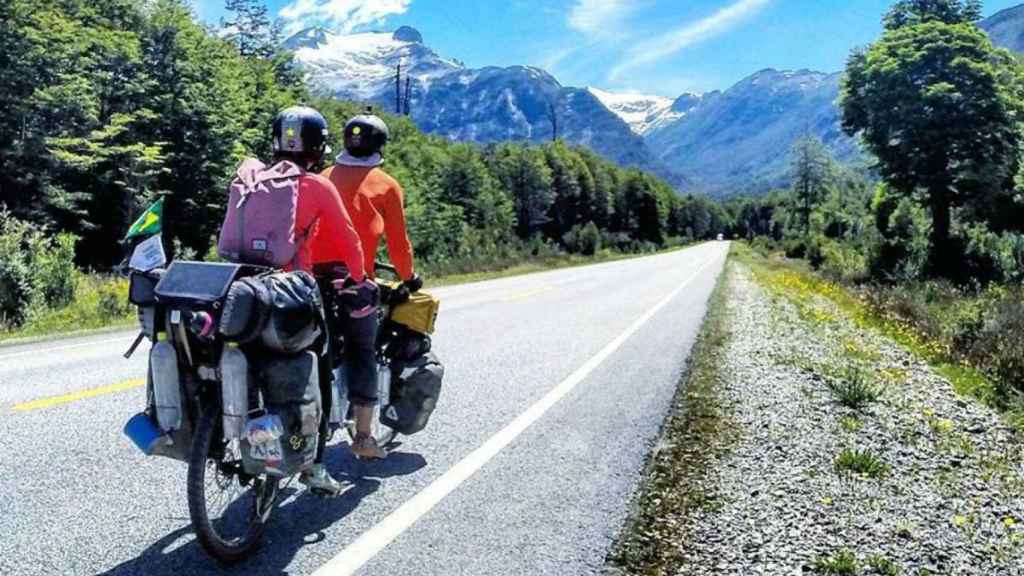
[721, 237]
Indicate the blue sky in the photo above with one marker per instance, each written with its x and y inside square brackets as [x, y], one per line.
[664, 47]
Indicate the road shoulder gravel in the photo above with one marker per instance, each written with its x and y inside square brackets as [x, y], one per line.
[802, 444]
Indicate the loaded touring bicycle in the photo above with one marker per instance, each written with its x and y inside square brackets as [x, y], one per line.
[233, 387]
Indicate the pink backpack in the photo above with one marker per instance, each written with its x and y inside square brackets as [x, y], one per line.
[260, 225]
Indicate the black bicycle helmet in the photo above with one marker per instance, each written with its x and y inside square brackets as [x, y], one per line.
[366, 135]
[300, 133]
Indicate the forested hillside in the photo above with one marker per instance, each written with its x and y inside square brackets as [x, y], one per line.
[111, 104]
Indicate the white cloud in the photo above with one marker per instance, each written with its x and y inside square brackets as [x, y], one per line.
[341, 15]
[672, 42]
[552, 60]
[599, 16]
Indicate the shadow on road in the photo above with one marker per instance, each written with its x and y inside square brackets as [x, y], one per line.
[300, 521]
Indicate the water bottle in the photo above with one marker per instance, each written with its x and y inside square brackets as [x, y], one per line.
[384, 384]
[339, 391]
[166, 385]
[234, 374]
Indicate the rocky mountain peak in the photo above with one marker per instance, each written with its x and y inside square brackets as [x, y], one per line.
[685, 103]
[314, 38]
[408, 34]
[1006, 28]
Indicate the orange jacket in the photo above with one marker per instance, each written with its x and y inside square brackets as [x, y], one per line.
[332, 237]
[375, 201]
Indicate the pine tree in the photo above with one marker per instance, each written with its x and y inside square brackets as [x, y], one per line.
[812, 168]
[249, 27]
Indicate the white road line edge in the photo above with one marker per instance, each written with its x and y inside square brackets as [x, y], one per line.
[371, 542]
[127, 341]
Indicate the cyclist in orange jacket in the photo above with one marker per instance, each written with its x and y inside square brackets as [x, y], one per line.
[335, 240]
[373, 198]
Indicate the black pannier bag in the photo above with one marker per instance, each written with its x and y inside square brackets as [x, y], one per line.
[408, 346]
[245, 311]
[291, 393]
[416, 388]
[142, 287]
[142, 293]
[295, 320]
[283, 311]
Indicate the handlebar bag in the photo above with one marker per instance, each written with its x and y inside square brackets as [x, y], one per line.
[142, 287]
[418, 314]
[417, 390]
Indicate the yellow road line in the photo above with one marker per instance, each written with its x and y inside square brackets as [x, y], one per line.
[82, 395]
[528, 294]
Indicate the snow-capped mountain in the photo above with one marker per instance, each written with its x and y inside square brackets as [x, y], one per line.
[362, 66]
[739, 140]
[479, 105]
[645, 113]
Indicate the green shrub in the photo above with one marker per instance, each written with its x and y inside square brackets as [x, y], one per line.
[36, 271]
[853, 390]
[763, 245]
[860, 462]
[585, 240]
[810, 248]
[901, 253]
[619, 241]
[884, 566]
[99, 302]
[816, 251]
[991, 257]
[794, 247]
[842, 262]
[842, 563]
[55, 276]
[211, 253]
[15, 272]
[999, 345]
[112, 301]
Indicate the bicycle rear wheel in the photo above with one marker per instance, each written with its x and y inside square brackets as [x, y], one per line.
[229, 509]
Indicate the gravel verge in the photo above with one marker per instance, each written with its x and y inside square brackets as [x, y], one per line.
[928, 482]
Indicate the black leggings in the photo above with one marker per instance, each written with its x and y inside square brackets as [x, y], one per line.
[360, 369]
[326, 404]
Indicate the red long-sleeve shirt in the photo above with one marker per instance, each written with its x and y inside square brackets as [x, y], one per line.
[375, 201]
[331, 236]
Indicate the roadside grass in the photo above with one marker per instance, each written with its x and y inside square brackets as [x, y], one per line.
[853, 390]
[100, 302]
[841, 563]
[697, 432]
[884, 566]
[798, 284]
[862, 463]
[851, 424]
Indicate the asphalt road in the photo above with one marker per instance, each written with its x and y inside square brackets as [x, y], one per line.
[557, 384]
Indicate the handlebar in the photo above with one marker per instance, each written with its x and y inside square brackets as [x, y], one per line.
[381, 266]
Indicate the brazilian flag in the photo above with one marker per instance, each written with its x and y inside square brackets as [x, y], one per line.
[149, 223]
